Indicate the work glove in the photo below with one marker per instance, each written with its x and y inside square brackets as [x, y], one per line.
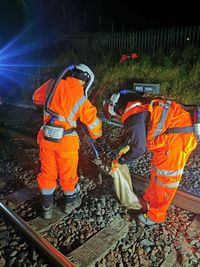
[115, 164]
[124, 150]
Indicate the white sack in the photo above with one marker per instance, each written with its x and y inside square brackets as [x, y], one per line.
[124, 189]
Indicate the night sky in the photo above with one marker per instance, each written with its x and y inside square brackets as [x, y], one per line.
[69, 16]
[30, 28]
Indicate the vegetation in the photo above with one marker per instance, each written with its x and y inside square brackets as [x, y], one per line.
[177, 72]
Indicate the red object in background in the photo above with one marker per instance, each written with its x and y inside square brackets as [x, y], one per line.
[134, 55]
[124, 57]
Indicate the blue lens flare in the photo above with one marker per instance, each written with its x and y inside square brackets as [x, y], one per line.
[21, 63]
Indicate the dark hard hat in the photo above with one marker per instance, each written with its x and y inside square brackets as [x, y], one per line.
[115, 103]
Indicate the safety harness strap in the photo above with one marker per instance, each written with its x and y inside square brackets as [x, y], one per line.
[70, 132]
[163, 117]
[188, 129]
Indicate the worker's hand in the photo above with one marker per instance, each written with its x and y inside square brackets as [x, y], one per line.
[115, 164]
[124, 150]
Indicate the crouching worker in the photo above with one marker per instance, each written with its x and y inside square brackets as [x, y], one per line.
[165, 127]
[65, 100]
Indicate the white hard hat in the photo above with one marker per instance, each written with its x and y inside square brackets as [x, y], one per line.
[84, 73]
[109, 105]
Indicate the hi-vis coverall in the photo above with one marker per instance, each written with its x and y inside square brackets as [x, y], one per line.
[61, 159]
[148, 125]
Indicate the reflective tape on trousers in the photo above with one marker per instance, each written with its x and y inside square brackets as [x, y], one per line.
[171, 185]
[167, 172]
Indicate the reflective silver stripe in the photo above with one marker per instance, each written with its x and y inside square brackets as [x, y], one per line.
[58, 117]
[74, 110]
[61, 118]
[74, 133]
[168, 173]
[98, 134]
[132, 106]
[94, 124]
[72, 113]
[163, 118]
[47, 191]
[77, 190]
[171, 185]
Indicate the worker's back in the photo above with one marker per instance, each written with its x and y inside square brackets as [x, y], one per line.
[66, 100]
[165, 115]
[67, 97]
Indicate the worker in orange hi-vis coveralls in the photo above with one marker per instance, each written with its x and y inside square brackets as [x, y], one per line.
[65, 101]
[165, 127]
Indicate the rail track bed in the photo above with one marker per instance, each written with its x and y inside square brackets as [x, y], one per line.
[27, 120]
[100, 232]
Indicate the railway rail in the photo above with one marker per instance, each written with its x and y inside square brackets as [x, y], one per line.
[50, 251]
[118, 228]
[182, 199]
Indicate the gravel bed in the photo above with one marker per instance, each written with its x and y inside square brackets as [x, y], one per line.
[109, 147]
[143, 246]
[29, 121]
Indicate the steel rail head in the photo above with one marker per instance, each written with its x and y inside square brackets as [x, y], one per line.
[50, 251]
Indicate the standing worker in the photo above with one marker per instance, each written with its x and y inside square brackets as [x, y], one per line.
[166, 129]
[65, 100]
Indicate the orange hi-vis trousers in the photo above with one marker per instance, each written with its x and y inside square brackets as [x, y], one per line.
[167, 168]
[58, 160]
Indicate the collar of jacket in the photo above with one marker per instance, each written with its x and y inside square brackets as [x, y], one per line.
[132, 108]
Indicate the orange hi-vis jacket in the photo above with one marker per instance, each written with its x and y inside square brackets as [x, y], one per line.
[40, 94]
[164, 115]
[170, 150]
[69, 102]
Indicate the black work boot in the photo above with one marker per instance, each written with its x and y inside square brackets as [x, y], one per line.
[72, 202]
[144, 208]
[47, 211]
[47, 206]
